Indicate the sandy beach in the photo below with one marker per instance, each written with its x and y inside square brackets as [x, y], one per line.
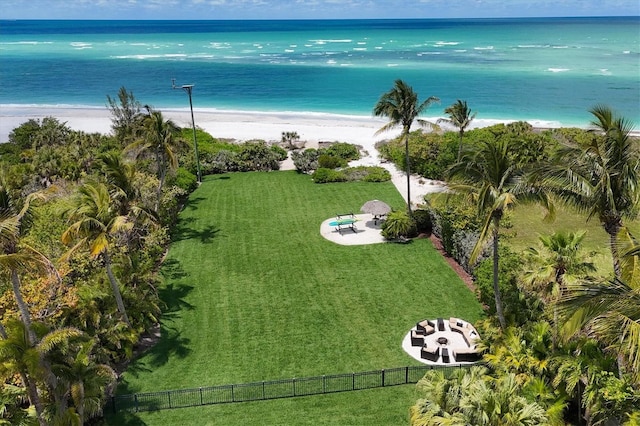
[241, 126]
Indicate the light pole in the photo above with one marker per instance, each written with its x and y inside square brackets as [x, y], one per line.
[189, 88]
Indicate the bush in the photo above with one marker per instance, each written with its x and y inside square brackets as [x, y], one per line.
[326, 161]
[256, 155]
[223, 161]
[185, 180]
[280, 153]
[398, 225]
[518, 309]
[305, 161]
[343, 150]
[323, 175]
[367, 174]
[422, 218]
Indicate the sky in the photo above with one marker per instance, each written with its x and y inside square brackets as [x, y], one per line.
[311, 9]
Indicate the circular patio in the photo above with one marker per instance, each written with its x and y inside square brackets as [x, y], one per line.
[443, 342]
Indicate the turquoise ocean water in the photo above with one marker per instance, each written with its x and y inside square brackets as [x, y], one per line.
[549, 69]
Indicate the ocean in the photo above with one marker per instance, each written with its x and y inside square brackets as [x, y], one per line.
[545, 69]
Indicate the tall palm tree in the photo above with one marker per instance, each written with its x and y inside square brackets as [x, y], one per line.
[600, 178]
[401, 106]
[96, 224]
[461, 117]
[492, 180]
[160, 137]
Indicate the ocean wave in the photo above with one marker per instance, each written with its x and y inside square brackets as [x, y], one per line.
[25, 42]
[558, 69]
[428, 53]
[325, 41]
[483, 48]
[447, 43]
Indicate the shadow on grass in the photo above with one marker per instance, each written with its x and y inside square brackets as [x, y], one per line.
[172, 269]
[184, 231]
[122, 418]
[173, 297]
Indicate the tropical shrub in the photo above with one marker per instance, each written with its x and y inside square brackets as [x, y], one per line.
[222, 161]
[398, 225]
[326, 161]
[323, 175]
[305, 161]
[343, 150]
[280, 153]
[422, 219]
[257, 156]
[367, 174]
[184, 180]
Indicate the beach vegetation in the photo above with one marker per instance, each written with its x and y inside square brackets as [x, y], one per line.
[402, 107]
[460, 116]
[291, 140]
[327, 161]
[126, 115]
[324, 175]
[343, 150]
[306, 160]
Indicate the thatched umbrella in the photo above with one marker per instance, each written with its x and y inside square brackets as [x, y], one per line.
[375, 207]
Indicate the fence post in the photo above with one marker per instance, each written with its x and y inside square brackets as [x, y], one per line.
[201, 402]
[406, 375]
[135, 399]
[294, 386]
[353, 381]
[233, 397]
[169, 398]
[383, 377]
[324, 384]
[264, 396]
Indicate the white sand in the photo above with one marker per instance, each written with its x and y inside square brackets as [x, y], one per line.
[311, 127]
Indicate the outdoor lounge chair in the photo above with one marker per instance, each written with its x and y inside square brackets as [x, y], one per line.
[416, 339]
[425, 327]
[430, 353]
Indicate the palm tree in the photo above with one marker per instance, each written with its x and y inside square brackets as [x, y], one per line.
[401, 106]
[84, 380]
[96, 224]
[559, 262]
[600, 178]
[461, 117]
[609, 312]
[492, 180]
[289, 139]
[159, 136]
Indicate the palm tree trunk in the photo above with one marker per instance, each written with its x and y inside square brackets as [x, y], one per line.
[34, 398]
[115, 288]
[613, 244]
[406, 149]
[22, 307]
[460, 145]
[496, 283]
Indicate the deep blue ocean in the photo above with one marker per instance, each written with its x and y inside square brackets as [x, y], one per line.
[550, 69]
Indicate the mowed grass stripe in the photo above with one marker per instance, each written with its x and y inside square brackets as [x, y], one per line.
[254, 292]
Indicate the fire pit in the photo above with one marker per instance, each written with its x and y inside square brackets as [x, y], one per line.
[442, 340]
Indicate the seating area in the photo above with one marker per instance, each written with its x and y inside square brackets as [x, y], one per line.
[468, 332]
[442, 341]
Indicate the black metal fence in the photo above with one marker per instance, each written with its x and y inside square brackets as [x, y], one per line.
[287, 388]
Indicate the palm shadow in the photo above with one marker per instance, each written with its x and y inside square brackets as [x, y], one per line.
[173, 297]
[183, 231]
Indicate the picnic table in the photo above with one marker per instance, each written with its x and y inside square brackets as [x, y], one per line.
[344, 221]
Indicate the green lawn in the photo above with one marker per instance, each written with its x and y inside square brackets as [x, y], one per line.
[253, 292]
[528, 226]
